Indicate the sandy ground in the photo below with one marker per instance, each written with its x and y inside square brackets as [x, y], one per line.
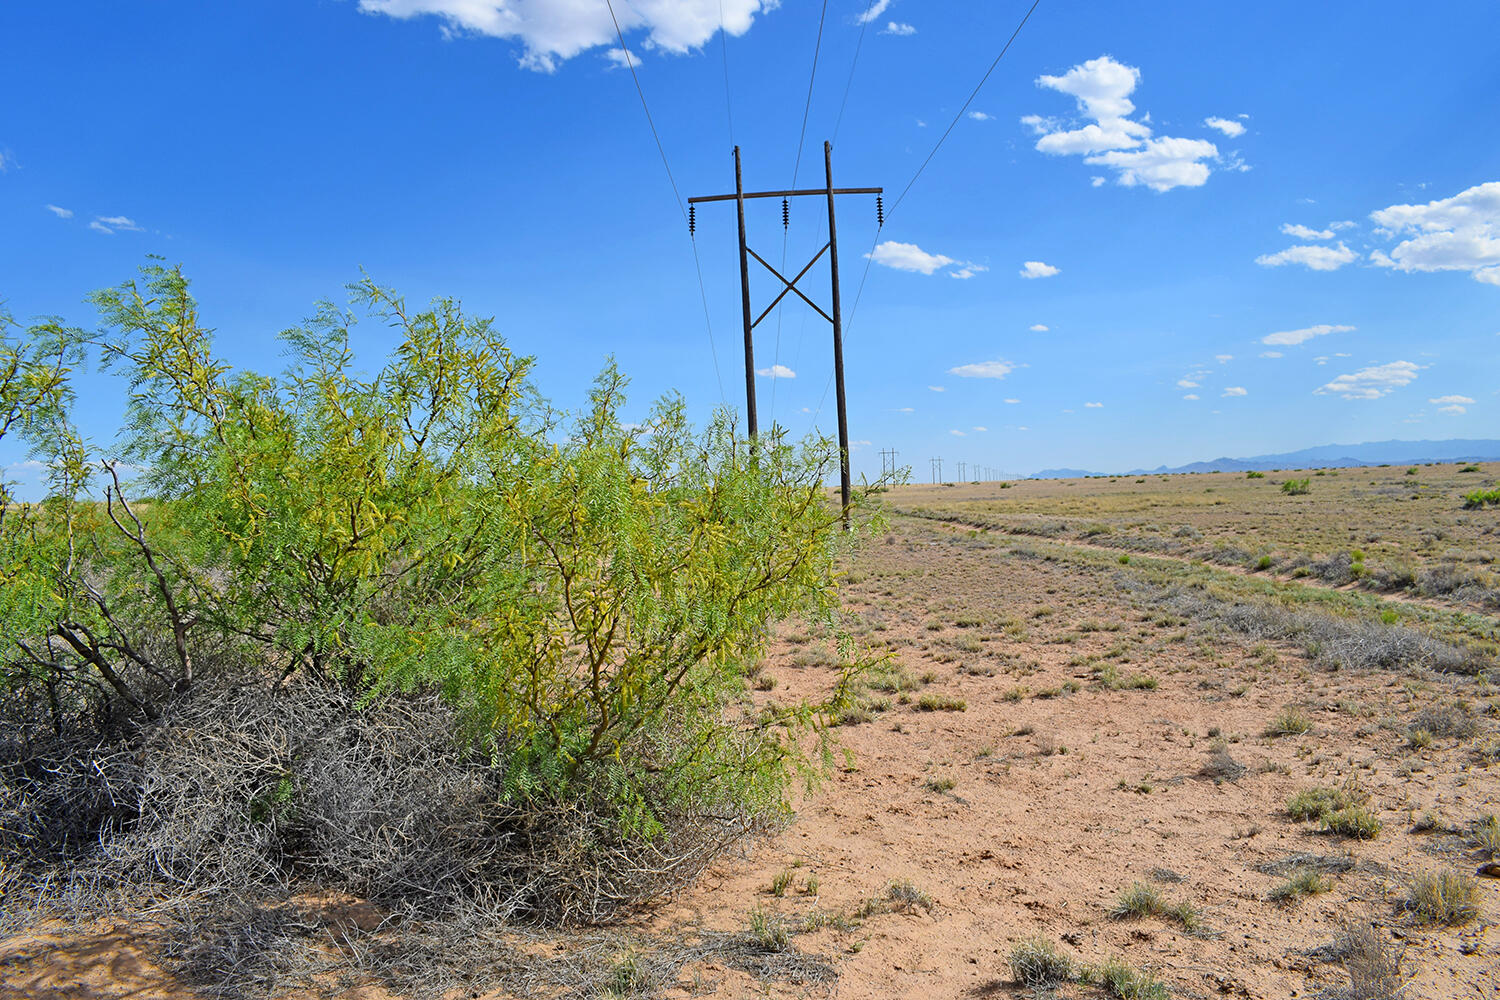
[1029, 811]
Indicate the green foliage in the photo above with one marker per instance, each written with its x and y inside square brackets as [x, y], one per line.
[1253, 474]
[1479, 498]
[1297, 487]
[591, 595]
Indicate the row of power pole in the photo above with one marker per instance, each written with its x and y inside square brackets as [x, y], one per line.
[981, 473]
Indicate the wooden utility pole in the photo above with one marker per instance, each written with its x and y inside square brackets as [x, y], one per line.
[937, 470]
[828, 191]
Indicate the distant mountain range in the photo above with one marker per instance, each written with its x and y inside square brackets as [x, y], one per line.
[1323, 456]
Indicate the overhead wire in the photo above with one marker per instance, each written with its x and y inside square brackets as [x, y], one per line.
[796, 167]
[676, 195]
[870, 257]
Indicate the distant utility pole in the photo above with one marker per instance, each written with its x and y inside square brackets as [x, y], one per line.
[888, 462]
[832, 248]
[937, 470]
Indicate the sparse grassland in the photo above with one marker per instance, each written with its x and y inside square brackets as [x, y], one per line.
[1240, 763]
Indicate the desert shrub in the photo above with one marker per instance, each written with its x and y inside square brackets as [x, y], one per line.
[1320, 800]
[1447, 897]
[1374, 964]
[1479, 498]
[1122, 981]
[579, 602]
[1486, 835]
[1306, 882]
[1253, 474]
[1297, 487]
[1445, 722]
[1038, 964]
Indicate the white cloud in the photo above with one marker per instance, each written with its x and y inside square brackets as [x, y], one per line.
[552, 31]
[1235, 390]
[979, 430]
[1097, 182]
[956, 432]
[1093, 406]
[1223, 359]
[1037, 269]
[1312, 256]
[1305, 233]
[1187, 383]
[983, 369]
[61, 213]
[1228, 126]
[1111, 138]
[1272, 354]
[967, 271]
[776, 371]
[1461, 233]
[938, 388]
[1039, 328]
[1373, 382]
[876, 8]
[1191, 395]
[1451, 401]
[114, 223]
[908, 257]
[899, 29]
[980, 116]
[1455, 409]
[1287, 338]
[1023, 428]
[1012, 401]
[1165, 163]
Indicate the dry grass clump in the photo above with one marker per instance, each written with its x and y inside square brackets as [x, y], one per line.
[1445, 723]
[1125, 982]
[1221, 766]
[1486, 836]
[1290, 721]
[1374, 965]
[1448, 897]
[1037, 963]
[1340, 811]
[935, 702]
[1307, 882]
[1142, 900]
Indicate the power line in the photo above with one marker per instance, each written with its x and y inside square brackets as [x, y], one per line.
[676, 195]
[724, 51]
[973, 94]
[864, 22]
[869, 257]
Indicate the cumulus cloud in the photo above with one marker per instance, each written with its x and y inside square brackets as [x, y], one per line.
[1305, 232]
[1111, 138]
[979, 430]
[1451, 401]
[1235, 390]
[1191, 395]
[1272, 354]
[1223, 359]
[956, 432]
[1310, 255]
[966, 271]
[553, 31]
[1012, 401]
[1372, 382]
[983, 369]
[61, 213]
[1037, 269]
[980, 116]
[1039, 328]
[1455, 409]
[1093, 406]
[876, 8]
[938, 388]
[1228, 126]
[1288, 338]
[908, 257]
[1461, 233]
[776, 371]
[898, 28]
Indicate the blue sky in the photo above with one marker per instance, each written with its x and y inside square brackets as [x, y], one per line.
[1162, 233]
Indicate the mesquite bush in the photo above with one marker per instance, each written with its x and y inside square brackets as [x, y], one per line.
[585, 597]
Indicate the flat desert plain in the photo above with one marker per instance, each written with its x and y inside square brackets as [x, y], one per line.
[1236, 741]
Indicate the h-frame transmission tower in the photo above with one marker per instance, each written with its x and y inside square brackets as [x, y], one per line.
[739, 197]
